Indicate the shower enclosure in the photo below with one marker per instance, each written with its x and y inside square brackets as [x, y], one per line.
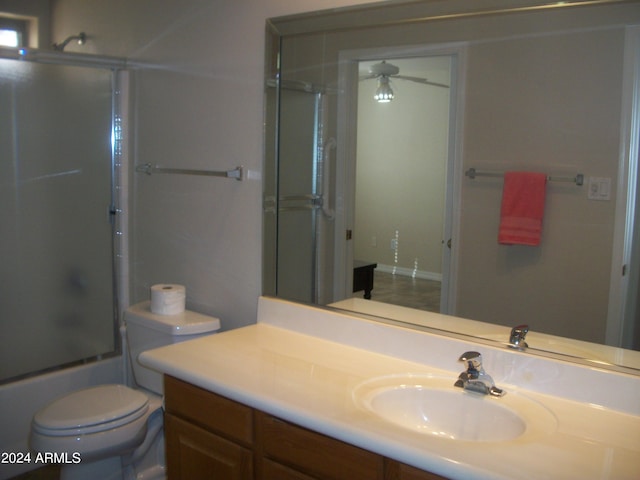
[301, 218]
[59, 143]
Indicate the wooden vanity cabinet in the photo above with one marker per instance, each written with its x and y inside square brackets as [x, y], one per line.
[211, 437]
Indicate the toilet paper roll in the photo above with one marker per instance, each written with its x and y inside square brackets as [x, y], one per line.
[168, 299]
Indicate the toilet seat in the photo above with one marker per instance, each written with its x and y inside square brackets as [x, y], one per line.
[92, 410]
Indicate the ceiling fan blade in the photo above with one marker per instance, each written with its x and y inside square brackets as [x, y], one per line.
[424, 81]
[367, 77]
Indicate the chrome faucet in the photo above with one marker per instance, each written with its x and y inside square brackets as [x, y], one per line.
[474, 378]
[516, 339]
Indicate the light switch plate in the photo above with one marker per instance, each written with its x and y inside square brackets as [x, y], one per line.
[599, 188]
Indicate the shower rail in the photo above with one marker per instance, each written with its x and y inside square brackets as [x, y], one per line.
[237, 173]
[62, 58]
[578, 179]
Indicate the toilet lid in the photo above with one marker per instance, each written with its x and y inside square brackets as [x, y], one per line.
[92, 407]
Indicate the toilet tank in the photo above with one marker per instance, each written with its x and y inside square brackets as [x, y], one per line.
[147, 330]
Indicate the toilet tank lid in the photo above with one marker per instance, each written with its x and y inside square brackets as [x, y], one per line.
[185, 323]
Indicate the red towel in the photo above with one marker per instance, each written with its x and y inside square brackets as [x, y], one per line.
[522, 208]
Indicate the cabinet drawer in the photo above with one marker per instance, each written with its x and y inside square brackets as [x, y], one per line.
[314, 454]
[208, 410]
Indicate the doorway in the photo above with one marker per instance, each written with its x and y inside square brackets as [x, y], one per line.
[399, 184]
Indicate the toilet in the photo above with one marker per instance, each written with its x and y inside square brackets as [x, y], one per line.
[115, 432]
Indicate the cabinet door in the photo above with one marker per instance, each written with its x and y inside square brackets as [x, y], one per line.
[194, 454]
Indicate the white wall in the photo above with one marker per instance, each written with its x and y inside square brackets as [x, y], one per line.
[529, 115]
[201, 108]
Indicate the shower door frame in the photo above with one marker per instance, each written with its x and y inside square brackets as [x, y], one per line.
[311, 200]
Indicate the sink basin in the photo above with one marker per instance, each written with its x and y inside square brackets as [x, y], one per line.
[430, 405]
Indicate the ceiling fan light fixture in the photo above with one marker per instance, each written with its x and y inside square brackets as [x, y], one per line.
[384, 93]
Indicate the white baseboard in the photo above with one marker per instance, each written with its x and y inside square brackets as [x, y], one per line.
[410, 272]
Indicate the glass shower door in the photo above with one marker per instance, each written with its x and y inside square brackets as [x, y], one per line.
[299, 200]
[56, 277]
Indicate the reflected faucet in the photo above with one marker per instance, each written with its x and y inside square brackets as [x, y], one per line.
[516, 339]
[474, 378]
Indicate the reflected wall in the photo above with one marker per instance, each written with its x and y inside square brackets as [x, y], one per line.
[548, 104]
[544, 92]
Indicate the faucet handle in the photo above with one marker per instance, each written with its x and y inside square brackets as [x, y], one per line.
[474, 378]
[516, 339]
[473, 361]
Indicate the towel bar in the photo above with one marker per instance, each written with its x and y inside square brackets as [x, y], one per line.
[578, 179]
[147, 168]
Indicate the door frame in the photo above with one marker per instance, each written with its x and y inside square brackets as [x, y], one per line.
[346, 161]
[625, 264]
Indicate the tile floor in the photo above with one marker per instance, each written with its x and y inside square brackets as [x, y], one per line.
[406, 291]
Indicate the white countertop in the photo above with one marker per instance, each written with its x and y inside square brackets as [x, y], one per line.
[309, 381]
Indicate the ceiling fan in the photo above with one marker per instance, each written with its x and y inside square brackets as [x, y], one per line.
[384, 71]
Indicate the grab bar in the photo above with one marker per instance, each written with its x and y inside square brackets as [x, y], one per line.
[473, 173]
[326, 154]
[237, 173]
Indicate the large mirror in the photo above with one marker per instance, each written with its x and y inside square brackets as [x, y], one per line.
[392, 207]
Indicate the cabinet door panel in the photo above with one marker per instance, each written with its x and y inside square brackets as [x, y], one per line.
[194, 453]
